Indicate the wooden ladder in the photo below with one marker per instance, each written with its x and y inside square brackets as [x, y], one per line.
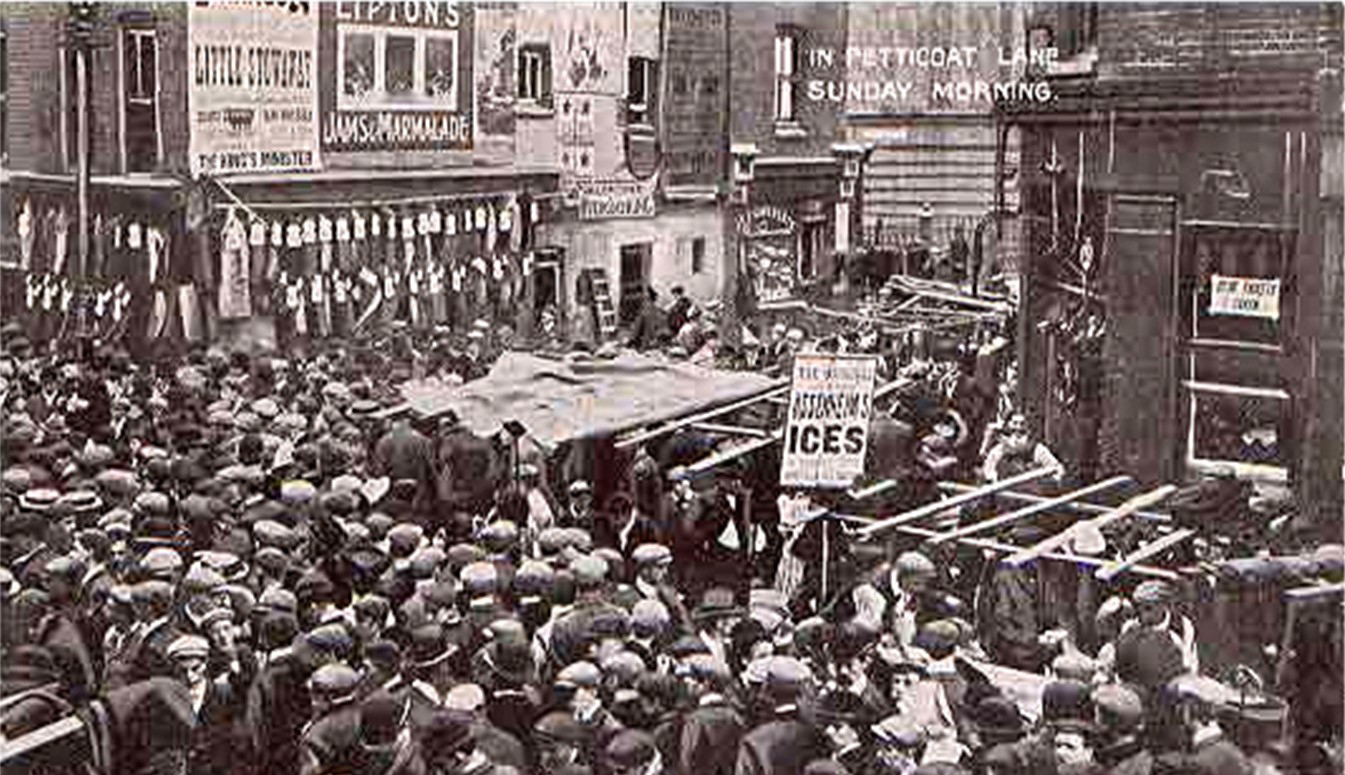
[602, 305]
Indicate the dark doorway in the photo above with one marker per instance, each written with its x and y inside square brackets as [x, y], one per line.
[635, 261]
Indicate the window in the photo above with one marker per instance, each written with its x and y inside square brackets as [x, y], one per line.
[140, 100]
[698, 255]
[1236, 316]
[534, 73]
[1076, 30]
[407, 69]
[786, 72]
[679, 84]
[641, 90]
[710, 85]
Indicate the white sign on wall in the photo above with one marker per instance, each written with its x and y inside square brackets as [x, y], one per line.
[1255, 297]
[829, 409]
[252, 90]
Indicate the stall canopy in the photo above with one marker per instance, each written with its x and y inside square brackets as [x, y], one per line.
[558, 401]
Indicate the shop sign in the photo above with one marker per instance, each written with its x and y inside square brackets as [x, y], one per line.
[1255, 297]
[252, 91]
[397, 76]
[830, 403]
[599, 199]
[767, 221]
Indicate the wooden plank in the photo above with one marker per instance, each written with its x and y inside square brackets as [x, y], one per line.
[54, 732]
[1000, 546]
[1142, 501]
[732, 430]
[939, 507]
[1024, 497]
[729, 455]
[1305, 593]
[1032, 509]
[1151, 549]
[709, 414]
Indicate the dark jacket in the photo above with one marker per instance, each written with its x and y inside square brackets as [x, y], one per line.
[781, 747]
[710, 738]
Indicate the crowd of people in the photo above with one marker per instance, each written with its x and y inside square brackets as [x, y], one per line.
[257, 566]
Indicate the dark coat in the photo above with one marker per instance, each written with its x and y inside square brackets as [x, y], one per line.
[278, 706]
[331, 744]
[781, 747]
[405, 453]
[710, 738]
[145, 656]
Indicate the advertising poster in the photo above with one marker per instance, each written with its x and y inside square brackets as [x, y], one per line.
[830, 403]
[252, 88]
[397, 76]
[694, 118]
[1253, 297]
[496, 35]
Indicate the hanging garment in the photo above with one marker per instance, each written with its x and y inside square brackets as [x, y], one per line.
[191, 313]
[156, 243]
[235, 282]
[27, 234]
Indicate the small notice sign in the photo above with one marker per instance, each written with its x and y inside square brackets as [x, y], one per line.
[1255, 297]
[830, 404]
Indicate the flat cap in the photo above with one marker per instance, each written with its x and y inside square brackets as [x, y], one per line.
[201, 578]
[552, 540]
[404, 538]
[588, 570]
[787, 675]
[560, 726]
[631, 748]
[579, 486]
[278, 599]
[297, 492]
[189, 647]
[649, 617]
[1154, 591]
[915, 564]
[271, 559]
[479, 578]
[334, 680]
[651, 554]
[153, 503]
[580, 674]
[1118, 706]
[152, 591]
[160, 559]
[331, 639]
[271, 533]
[499, 536]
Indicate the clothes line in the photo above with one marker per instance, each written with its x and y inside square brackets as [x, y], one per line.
[367, 204]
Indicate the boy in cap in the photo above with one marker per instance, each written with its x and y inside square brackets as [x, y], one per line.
[1159, 644]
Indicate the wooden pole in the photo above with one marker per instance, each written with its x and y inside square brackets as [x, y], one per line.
[1023, 497]
[1000, 546]
[55, 732]
[732, 430]
[1031, 510]
[1058, 540]
[700, 417]
[939, 507]
[1151, 549]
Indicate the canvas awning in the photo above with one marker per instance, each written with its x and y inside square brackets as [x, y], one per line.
[559, 401]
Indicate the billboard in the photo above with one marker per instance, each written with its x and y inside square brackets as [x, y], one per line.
[252, 92]
[397, 76]
[694, 115]
[830, 403]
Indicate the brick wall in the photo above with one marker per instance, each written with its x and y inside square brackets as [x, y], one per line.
[33, 110]
[1182, 38]
[752, 29]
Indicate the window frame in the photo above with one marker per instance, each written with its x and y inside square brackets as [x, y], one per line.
[379, 98]
[787, 44]
[127, 33]
[644, 112]
[534, 89]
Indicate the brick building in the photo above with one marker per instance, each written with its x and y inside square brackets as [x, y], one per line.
[1182, 225]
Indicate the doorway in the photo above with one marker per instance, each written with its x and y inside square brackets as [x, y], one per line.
[635, 261]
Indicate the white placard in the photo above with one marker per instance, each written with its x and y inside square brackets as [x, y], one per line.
[252, 93]
[1253, 297]
[830, 403]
